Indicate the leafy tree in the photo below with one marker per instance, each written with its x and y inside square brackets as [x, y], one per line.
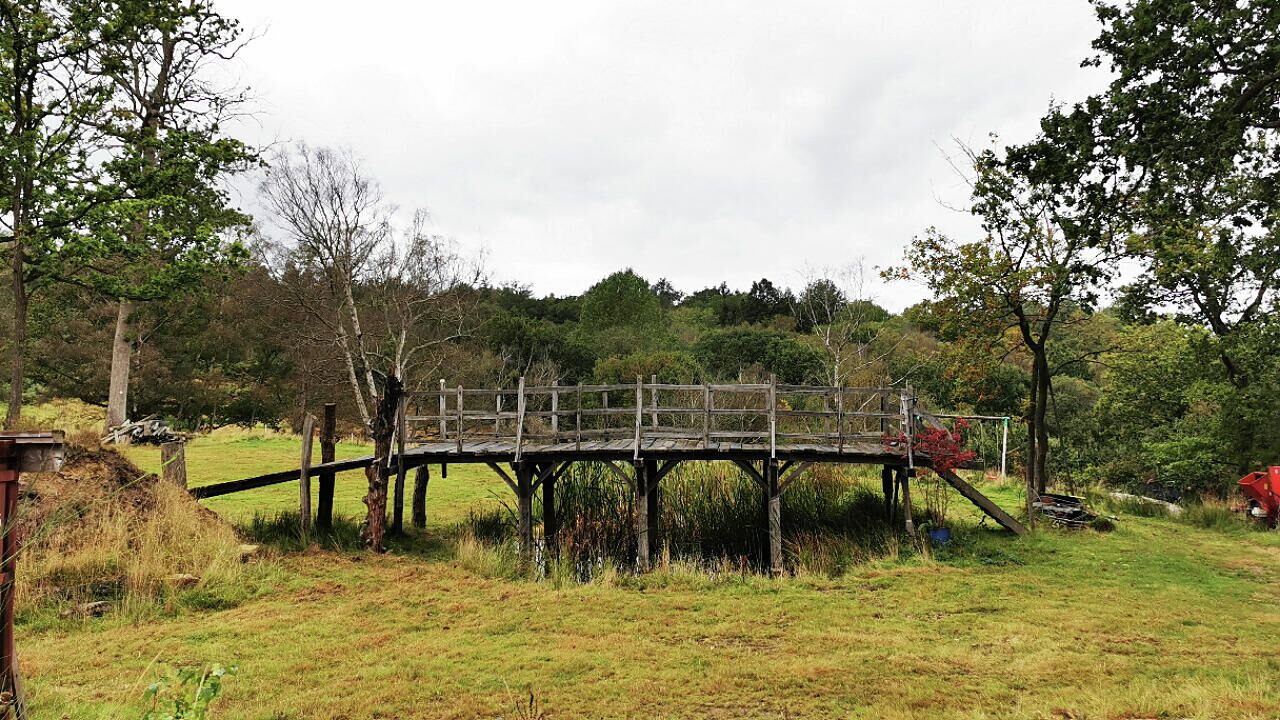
[1189, 127]
[1041, 253]
[765, 301]
[669, 367]
[48, 179]
[728, 353]
[171, 221]
[667, 293]
[622, 300]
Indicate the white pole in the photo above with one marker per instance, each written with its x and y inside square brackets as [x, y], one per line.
[1004, 449]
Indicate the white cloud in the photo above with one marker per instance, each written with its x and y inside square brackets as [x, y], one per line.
[704, 142]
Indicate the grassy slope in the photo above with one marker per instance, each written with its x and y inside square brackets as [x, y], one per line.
[1153, 619]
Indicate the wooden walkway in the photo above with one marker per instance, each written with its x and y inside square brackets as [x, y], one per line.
[531, 435]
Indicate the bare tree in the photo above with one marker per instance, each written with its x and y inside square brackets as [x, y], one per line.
[384, 298]
[835, 308]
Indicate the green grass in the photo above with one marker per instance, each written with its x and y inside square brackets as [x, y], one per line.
[231, 455]
[1155, 619]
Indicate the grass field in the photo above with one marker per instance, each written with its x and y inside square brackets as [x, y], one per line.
[1155, 619]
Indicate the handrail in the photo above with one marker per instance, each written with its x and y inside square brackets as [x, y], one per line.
[769, 415]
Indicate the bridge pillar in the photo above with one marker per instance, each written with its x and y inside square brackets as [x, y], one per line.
[652, 513]
[524, 504]
[890, 491]
[550, 522]
[641, 506]
[775, 518]
[904, 476]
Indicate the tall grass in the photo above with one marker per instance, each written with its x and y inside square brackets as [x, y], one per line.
[131, 554]
[712, 517]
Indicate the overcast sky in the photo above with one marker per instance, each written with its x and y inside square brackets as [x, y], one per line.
[698, 141]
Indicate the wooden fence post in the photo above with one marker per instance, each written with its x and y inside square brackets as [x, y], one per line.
[904, 477]
[524, 504]
[304, 477]
[328, 445]
[397, 513]
[173, 458]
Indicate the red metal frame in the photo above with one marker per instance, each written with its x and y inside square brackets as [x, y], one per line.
[1264, 489]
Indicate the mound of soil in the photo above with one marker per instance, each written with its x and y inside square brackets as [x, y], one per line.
[89, 477]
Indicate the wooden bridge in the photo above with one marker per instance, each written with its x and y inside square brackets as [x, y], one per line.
[530, 435]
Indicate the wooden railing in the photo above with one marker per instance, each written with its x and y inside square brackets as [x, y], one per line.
[765, 414]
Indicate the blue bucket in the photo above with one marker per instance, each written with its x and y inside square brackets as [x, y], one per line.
[940, 536]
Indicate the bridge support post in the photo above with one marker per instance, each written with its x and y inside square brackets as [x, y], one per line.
[641, 506]
[775, 518]
[524, 504]
[652, 512]
[421, 478]
[890, 494]
[904, 476]
[550, 522]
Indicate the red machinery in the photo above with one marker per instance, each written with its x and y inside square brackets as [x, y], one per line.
[1263, 491]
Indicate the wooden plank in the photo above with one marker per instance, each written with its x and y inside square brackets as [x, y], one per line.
[505, 477]
[984, 503]
[520, 408]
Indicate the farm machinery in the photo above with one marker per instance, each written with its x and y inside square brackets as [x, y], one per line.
[1263, 492]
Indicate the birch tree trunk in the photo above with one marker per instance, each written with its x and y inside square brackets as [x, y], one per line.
[121, 354]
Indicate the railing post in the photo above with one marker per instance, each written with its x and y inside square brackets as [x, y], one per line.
[444, 417]
[639, 414]
[461, 417]
[577, 419]
[519, 417]
[706, 416]
[840, 418]
[773, 417]
[1004, 448]
[653, 401]
[497, 414]
[555, 415]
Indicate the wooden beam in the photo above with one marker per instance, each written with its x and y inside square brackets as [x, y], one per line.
[995, 512]
[640, 509]
[505, 477]
[785, 480]
[619, 472]
[751, 471]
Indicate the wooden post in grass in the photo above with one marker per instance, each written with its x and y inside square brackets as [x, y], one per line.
[550, 523]
[641, 509]
[775, 518]
[304, 475]
[173, 459]
[420, 479]
[886, 481]
[397, 512]
[328, 445]
[524, 504]
[904, 476]
[651, 495]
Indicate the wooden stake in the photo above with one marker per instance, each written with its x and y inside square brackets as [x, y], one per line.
[304, 479]
[173, 458]
[904, 476]
[397, 512]
[328, 445]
